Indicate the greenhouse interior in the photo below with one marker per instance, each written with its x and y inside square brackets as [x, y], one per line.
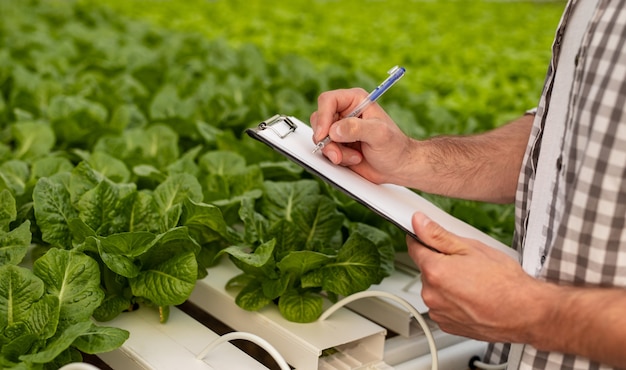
[155, 216]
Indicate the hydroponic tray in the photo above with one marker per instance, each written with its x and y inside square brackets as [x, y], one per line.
[173, 345]
[357, 342]
[353, 340]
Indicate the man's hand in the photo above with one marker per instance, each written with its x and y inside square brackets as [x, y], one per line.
[372, 145]
[472, 289]
[478, 292]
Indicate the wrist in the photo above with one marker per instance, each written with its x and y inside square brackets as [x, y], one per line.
[566, 316]
[409, 169]
[545, 315]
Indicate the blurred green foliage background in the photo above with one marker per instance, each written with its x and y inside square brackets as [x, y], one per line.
[483, 60]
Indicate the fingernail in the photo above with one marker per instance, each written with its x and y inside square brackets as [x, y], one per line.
[423, 220]
[353, 159]
[337, 131]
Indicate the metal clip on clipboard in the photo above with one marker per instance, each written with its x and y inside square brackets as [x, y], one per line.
[281, 131]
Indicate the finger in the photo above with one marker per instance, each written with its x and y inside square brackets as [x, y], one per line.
[418, 252]
[344, 155]
[333, 104]
[332, 152]
[320, 130]
[313, 121]
[435, 236]
[352, 130]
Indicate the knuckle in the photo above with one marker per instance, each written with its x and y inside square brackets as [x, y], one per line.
[324, 95]
[428, 297]
[350, 127]
[435, 316]
[431, 277]
[359, 91]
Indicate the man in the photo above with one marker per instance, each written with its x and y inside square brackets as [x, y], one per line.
[563, 165]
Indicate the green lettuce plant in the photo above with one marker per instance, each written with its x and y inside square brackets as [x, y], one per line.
[45, 312]
[298, 248]
[141, 239]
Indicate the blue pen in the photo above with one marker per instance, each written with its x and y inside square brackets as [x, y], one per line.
[394, 75]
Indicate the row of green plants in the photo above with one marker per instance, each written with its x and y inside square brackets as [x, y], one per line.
[471, 65]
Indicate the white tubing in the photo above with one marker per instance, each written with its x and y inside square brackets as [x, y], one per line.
[250, 337]
[407, 305]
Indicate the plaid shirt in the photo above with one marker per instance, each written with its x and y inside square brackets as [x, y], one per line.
[585, 238]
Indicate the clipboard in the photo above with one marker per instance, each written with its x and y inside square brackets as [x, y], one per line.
[293, 139]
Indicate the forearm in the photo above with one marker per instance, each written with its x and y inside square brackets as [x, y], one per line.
[479, 167]
[590, 322]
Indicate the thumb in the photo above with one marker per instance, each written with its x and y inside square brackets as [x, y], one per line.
[435, 236]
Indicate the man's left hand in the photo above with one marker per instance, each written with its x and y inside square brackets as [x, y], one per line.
[470, 288]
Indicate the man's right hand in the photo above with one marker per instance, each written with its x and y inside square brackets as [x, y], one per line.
[372, 145]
